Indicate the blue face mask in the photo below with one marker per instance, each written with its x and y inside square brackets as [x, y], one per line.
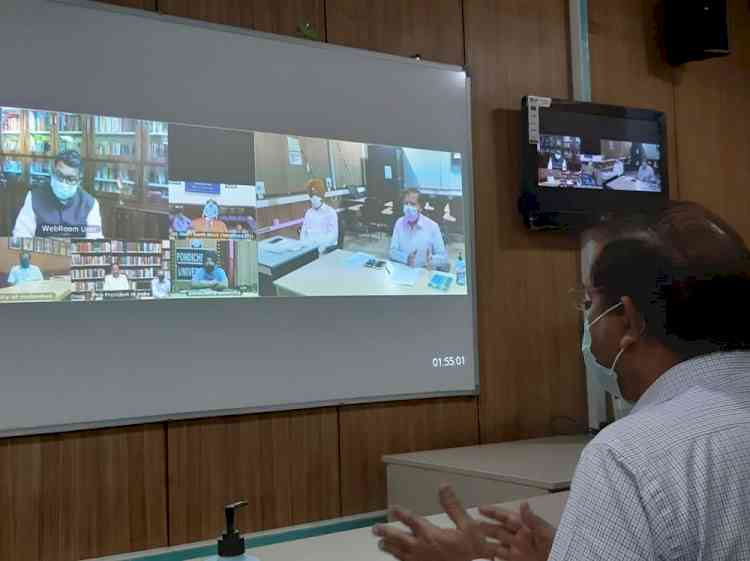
[411, 213]
[606, 377]
[211, 211]
[63, 191]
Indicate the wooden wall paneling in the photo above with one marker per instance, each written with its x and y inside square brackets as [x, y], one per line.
[141, 4]
[80, 495]
[430, 28]
[284, 464]
[713, 141]
[370, 431]
[530, 364]
[627, 66]
[20, 493]
[272, 16]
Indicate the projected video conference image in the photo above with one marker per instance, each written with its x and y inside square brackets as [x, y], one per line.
[97, 208]
[616, 165]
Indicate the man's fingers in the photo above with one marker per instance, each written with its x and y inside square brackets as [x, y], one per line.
[528, 517]
[497, 532]
[415, 523]
[510, 520]
[395, 549]
[393, 535]
[453, 507]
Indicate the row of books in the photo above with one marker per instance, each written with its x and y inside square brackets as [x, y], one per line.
[157, 152]
[119, 246]
[138, 259]
[156, 127]
[114, 124]
[10, 120]
[40, 121]
[10, 144]
[92, 274]
[112, 173]
[69, 123]
[90, 260]
[108, 148]
[158, 176]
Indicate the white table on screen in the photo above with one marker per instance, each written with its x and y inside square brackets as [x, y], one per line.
[331, 275]
[480, 474]
[630, 183]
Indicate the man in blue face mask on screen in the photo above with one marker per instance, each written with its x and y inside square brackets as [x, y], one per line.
[417, 240]
[24, 272]
[61, 208]
[666, 321]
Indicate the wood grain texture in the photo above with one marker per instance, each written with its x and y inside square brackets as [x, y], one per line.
[370, 431]
[140, 4]
[284, 464]
[712, 99]
[80, 495]
[429, 28]
[530, 364]
[627, 67]
[272, 16]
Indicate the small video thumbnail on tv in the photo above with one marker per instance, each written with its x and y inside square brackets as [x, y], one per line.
[618, 165]
[66, 175]
[35, 270]
[211, 210]
[342, 218]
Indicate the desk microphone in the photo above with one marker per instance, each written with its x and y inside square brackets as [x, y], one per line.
[231, 544]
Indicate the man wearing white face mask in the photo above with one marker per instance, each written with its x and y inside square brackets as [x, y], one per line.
[417, 240]
[667, 313]
[320, 226]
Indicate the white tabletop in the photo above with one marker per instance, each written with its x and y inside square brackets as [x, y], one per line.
[360, 545]
[547, 463]
[332, 275]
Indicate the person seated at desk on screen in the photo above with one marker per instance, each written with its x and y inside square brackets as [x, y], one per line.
[210, 275]
[556, 161]
[160, 285]
[320, 226]
[116, 280]
[60, 208]
[24, 272]
[646, 173]
[181, 224]
[417, 241]
[210, 223]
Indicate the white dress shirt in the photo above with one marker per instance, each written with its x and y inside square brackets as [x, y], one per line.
[646, 174]
[112, 283]
[671, 481]
[160, 289]
[320, 227]
[420, 237]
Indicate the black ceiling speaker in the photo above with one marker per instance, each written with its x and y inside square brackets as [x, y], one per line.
[695, 30]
